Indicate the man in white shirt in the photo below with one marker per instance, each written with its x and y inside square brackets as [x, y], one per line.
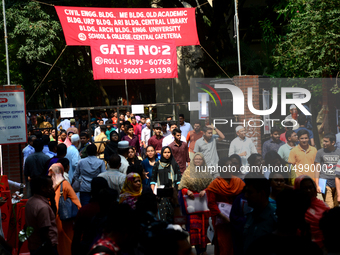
[165, 130]
[293, 116]
[170, 138]
[207, 146]
[115, 179]
[184, 126]
[146, 134]
[97, 130]
[123, 151]
[242, 145]
[65, 124]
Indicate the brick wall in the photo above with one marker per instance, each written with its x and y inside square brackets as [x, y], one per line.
[244, 82]
[11, 161]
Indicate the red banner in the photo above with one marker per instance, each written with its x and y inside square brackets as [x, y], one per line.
[81, 24]
[117, 59]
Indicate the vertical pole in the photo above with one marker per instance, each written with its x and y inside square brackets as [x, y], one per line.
[126, 92]
[118, 123]
[21, 168]
[237, 40]
[173, 97]
[2, 172]
[89, 120]
[55, 124]
[6, 43]
[150, 116]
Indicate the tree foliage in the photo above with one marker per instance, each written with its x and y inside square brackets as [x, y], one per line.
[311, 45]
[32, 30]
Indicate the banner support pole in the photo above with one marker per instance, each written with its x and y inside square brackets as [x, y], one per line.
[126, 92]
[6, 43]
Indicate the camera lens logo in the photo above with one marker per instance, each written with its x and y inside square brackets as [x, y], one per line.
[204, 97]
[98, 60]
[82, 37]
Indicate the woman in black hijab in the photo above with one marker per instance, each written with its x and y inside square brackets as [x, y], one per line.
[112, 147]
[165, 172]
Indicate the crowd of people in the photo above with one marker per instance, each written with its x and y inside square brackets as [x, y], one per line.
[137, 188]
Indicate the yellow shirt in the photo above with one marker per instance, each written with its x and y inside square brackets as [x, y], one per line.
[303, 161]
[101, 146]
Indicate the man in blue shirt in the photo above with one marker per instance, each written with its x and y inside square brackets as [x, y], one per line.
[52, 149]
[28, 150]
[274, 143]
[35, 164]
[46, 140]
[87, 169]
[73, 154]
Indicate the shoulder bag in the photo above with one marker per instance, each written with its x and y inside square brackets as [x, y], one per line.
[67, 209]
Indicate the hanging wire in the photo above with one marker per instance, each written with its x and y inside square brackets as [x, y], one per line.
[42, 2]
[215, 62]
[201, 5]
[47, 74]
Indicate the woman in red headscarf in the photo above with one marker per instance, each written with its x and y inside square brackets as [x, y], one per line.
[65, 228]
[316, 209]
[221, 193]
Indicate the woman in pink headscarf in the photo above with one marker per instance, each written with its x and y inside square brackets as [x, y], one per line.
[316, 209]
[65, 228]
[64, 138]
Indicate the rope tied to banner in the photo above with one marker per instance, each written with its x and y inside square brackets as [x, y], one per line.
[42, 3]
[215, 62]
[55, 62]
[201, 5]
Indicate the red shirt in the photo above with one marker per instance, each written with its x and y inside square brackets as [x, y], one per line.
[157, 143]
[192, 137]
[181, 154]
[138, 131]
[114, 120]
[283, 137]
[134, 127]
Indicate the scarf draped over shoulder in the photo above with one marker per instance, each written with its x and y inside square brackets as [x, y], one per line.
[194, 178]
[222, 187]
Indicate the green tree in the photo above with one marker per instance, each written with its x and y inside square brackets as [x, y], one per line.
[311, 45]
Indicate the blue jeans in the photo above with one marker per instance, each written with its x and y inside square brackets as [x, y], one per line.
[85, 198]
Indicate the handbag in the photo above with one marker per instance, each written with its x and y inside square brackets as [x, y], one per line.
[67, 209]
[210, 230]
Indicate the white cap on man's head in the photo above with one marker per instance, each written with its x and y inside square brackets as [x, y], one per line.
[148, 120]
[238, 128]
[123, 145]
[293, 106]
[75, 138]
